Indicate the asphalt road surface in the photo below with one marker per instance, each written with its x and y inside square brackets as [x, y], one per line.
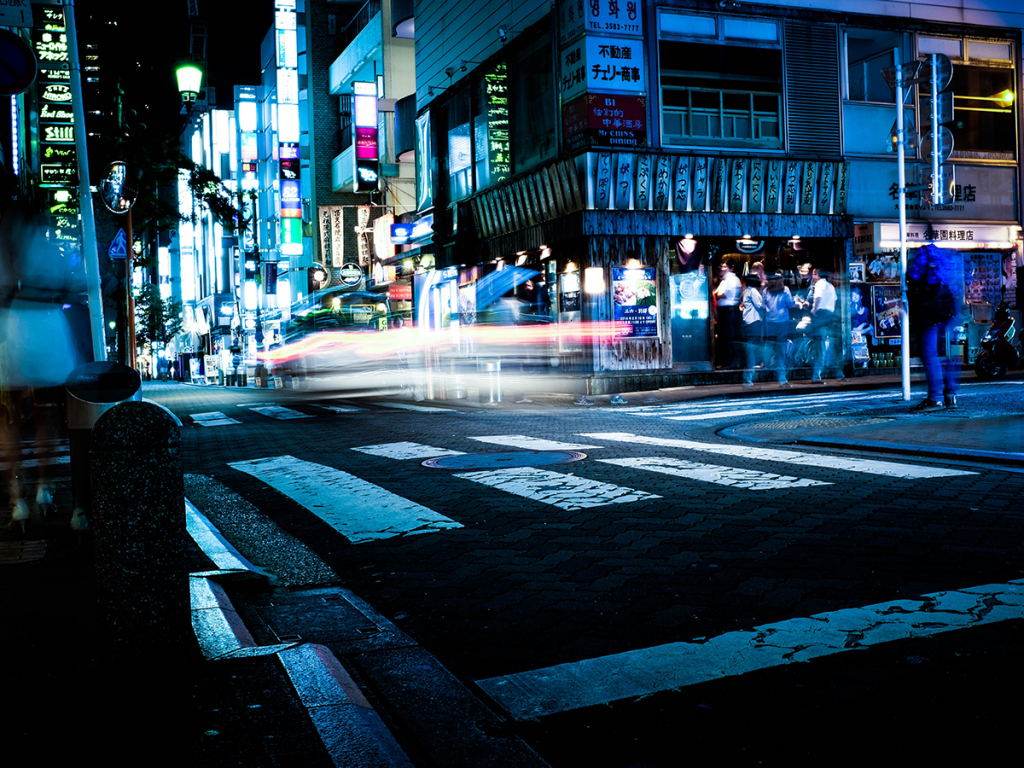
[629, 586]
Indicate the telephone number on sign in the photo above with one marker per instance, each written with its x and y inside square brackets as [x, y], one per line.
[612, 26]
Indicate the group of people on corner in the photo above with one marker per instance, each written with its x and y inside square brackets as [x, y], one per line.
[755, 324]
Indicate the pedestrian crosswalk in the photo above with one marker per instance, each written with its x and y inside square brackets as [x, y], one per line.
[359, 510]
[695, 411]
[363, 511]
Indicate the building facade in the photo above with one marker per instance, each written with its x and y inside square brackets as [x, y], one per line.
[621, 152]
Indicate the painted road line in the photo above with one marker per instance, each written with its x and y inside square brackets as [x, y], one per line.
[532, 443]
[405, 451]
[796, 401]
[710, 473]
[279, 412]
[358, 510]
[339, 408]
[869, 466]
[724, 414]
[420, 408]
[563, 491]
[633, 674]
[212, 419]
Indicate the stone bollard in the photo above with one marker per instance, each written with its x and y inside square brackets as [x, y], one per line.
[139, 531]
[149, 651]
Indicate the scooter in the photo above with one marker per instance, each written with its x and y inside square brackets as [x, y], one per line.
[997, 355]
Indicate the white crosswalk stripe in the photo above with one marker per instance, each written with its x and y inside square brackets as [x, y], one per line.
[532, 443]
[643, 672]
[870, 466]
[714, 410]
[340, 408]
[279, 412]
[419, 408]
[406, 451]
[359, 510]
[723, 414]
[564, 491]
[212, 419]
[710, 473]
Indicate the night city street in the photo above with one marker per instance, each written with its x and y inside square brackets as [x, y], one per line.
[533, 384]
[648, 536]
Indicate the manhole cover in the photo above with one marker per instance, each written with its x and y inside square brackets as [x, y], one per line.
[504, 460]
[818, 421]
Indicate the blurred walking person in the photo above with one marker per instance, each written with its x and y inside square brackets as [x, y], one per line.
[933, 309]
[778, 301]
[37, 352]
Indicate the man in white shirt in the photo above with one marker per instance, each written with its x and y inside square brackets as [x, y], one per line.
[730, 320]
[823, 308]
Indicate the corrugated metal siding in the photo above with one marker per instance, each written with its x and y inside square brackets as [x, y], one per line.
[812, 89]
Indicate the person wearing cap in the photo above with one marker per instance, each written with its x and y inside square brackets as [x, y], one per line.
[777, 302]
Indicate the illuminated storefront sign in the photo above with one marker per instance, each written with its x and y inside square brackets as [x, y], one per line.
[635, 298]
[58, 160]
[364, 125]
[499, 146]
[289, 155]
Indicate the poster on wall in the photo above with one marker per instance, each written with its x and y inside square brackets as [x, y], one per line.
[885, 305]
[635, 300]
[984, 279]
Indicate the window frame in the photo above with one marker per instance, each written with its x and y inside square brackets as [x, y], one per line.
[965, 59]
[685, 114]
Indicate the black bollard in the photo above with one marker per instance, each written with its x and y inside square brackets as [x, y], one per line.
[139, 530]
[151, 655]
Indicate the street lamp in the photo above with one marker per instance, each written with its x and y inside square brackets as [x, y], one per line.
[190, 80]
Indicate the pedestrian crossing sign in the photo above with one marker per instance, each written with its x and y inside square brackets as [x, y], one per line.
[119, 246]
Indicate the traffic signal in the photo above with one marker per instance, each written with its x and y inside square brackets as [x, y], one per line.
[937, 146]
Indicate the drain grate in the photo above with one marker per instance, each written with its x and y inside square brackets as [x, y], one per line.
[819, 421]
[504, 460]
[17, 552]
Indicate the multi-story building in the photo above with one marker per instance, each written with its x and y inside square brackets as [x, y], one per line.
[622, 151]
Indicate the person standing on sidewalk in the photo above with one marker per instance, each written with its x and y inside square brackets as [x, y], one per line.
[823, 309]
[778, 301]
[752, 308]
[730, 322]
[933, 309]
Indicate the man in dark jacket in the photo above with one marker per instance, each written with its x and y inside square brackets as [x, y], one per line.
[933, 308]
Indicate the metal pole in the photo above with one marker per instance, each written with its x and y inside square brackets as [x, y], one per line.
[129, 267]
[901, 163]
[90, 256]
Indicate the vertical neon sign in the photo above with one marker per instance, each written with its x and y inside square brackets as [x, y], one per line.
[289, 155]
[367, 172]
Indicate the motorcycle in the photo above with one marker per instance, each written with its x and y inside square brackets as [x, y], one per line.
[998, 354]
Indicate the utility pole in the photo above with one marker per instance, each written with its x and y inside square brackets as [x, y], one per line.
[902, 78]
[89, 253]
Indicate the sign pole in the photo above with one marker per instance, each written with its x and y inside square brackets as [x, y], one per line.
[89, 254]
[901, 165]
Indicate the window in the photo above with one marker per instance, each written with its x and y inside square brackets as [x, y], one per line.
[720, 83]
[532, 95]
[460, 147]
[868, 52]
[983, 126]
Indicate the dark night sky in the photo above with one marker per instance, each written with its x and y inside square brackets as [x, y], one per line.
[150, 41]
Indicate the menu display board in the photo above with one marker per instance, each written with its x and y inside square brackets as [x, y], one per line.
[635, 301]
